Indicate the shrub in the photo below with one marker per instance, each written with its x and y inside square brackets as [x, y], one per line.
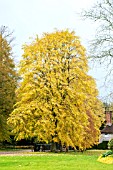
[106, 154]
[110, 144]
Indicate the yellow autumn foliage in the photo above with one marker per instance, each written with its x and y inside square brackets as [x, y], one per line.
[106, 160]
[57, 99]
[8, 82]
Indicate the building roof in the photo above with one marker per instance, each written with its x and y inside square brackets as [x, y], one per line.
[107, 130]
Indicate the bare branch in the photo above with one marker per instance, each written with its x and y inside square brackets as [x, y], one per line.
[101, 47]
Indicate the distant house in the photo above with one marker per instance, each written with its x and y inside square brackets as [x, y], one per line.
[107, 131]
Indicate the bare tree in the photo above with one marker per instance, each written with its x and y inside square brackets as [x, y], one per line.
[102, 12]
[101, 47]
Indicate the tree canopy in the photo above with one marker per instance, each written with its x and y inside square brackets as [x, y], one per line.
[7, 81]
[57, 101]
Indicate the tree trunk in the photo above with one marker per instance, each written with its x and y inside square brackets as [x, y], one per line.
[53, 147]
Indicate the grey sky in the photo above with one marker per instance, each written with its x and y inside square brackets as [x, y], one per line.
[30, 17]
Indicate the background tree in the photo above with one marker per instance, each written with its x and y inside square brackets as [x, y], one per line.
[7, 81]
[102, 13]
[57, 99]
[101, 47]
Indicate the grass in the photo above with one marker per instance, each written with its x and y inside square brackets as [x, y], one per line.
[70, 161]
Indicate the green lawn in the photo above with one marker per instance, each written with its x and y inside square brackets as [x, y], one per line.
[53, 162]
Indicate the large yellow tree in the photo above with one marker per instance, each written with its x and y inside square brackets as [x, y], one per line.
[57, 99]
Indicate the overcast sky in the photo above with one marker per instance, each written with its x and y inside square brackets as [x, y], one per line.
[30, 17]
